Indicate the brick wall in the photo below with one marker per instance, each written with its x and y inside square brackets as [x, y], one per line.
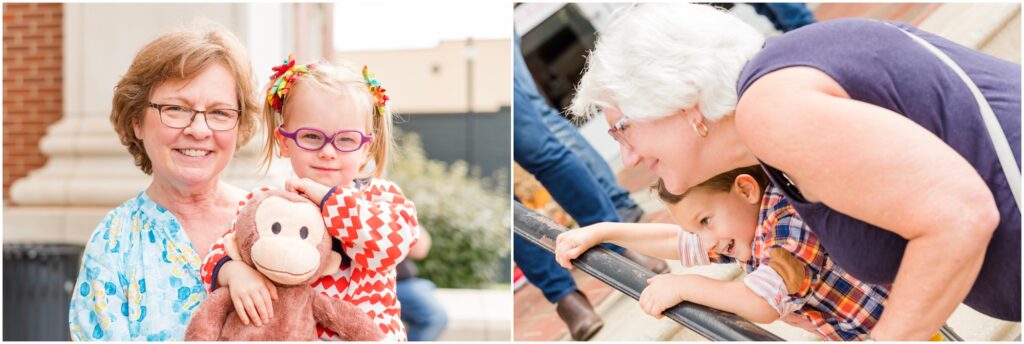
[33, 73]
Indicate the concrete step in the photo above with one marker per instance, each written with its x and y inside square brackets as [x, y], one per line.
[993, 29]
[476, 314]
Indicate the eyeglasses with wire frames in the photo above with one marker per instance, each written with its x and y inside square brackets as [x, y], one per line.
[617, 131]
[180, 117]
[312, 139]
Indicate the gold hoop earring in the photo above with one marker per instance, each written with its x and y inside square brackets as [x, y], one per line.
[702, 130]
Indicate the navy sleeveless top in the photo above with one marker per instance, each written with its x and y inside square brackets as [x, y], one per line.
[878, 64]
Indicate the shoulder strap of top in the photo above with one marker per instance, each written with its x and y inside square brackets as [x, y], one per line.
[995, 131]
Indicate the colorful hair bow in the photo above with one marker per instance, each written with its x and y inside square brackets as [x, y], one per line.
[379, 97]
[282, 81]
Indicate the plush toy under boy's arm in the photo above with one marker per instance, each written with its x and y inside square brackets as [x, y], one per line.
[345, 319]
[208, 321]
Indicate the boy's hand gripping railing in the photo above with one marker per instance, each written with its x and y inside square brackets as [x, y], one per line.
[631, 279]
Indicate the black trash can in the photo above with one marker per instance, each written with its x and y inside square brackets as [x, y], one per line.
[38, 280]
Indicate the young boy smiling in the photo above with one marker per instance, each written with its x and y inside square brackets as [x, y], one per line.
[738, 216]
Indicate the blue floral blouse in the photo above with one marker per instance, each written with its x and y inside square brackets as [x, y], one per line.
[139, 278]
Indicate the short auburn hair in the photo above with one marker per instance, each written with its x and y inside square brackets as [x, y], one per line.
[182, 54]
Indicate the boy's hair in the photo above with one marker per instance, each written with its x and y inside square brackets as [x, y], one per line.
[720, 183]
[341, 78]
[182, 54]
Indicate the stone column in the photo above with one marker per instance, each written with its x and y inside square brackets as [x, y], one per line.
[88, 171]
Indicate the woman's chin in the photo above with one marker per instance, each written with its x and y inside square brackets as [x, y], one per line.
[673, 186]
[199, 176]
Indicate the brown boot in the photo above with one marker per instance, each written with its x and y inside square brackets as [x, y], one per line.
[650, 263]
[577, 313]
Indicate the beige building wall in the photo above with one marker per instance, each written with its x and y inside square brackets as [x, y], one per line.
[435, 79]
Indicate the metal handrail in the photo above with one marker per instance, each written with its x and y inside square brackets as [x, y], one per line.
[630, 279]
[949, 335]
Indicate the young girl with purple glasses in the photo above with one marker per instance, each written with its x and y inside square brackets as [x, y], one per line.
[333, 122]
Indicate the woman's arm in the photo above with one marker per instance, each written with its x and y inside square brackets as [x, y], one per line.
[879, 167]
[653, 239]
[667, 290]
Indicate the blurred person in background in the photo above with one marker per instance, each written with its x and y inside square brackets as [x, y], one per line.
[424, 317]
[573, 186]
[784, 16]
[571, 138]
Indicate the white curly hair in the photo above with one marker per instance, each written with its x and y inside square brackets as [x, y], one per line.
[658, 58]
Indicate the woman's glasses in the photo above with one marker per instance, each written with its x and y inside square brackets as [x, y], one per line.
[180, 117]
[313, 139]
[617, 131]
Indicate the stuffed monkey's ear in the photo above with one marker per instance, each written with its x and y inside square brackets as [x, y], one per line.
[231, 247]
[333, 264]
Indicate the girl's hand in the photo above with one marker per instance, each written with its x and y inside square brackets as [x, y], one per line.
[308, 188]
[251, 292]
[573, 243]
[662, 292]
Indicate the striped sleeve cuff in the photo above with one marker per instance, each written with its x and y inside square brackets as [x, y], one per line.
[690, 252]
[768, 284]
[216, 271]
[328, 196]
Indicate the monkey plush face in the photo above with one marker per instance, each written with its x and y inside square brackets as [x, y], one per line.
[282, 235]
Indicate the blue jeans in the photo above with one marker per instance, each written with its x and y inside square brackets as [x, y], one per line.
[564, 175]
[569, 135]
[424, 317]
[785, 16]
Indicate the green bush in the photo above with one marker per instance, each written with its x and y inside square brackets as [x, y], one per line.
[467, 216]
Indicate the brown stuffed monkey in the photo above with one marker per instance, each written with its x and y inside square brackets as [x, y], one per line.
[282, 235]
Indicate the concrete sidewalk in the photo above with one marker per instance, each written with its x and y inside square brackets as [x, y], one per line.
[476, 314]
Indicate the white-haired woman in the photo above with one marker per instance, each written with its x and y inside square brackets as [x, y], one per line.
[879, 144]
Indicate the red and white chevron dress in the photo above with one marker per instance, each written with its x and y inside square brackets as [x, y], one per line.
[376, 226]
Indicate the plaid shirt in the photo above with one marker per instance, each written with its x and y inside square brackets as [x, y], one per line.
[835, 304]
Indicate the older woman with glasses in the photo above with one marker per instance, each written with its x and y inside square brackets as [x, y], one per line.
[186, 104]
[887, 140]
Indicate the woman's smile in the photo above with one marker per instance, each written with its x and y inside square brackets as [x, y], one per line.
[193, 153]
